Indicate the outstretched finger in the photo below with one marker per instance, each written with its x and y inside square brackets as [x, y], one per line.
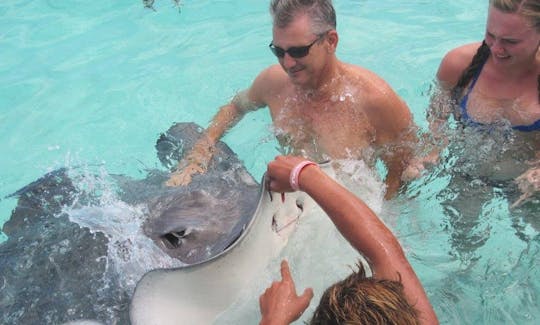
[285, 272]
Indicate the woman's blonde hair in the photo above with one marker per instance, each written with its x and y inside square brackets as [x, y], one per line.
[364, 300]
[530, 9]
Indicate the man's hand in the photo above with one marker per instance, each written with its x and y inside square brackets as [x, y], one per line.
[279, 304]
[528, 183]
[418, 165]
[183, 177]
[195, 163]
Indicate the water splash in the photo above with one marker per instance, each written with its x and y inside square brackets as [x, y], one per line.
[130, 253]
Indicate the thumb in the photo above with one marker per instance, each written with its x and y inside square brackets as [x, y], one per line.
[300, 305]
[306, 296]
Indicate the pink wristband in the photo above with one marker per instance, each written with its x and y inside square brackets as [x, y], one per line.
[295, 173]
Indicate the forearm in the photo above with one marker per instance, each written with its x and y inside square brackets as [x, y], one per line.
[399, 157]
[225, 119]
[368, 235]
[393, 182]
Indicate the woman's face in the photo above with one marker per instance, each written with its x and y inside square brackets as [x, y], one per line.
[511, 39]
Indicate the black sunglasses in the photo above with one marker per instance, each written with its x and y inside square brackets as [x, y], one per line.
[295, 51]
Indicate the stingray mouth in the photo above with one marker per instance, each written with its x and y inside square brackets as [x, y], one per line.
[279, 223]
[173, 239]
[277, 228]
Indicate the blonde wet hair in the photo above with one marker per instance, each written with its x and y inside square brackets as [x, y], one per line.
[361, 300]
[529, 9]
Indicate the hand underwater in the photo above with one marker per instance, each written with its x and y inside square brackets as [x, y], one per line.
[195, 163]
[529, 184]
[183, 177]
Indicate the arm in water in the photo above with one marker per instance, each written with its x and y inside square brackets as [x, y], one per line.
[529, 182]
[359, 225]
[196, 161]
[442, 105]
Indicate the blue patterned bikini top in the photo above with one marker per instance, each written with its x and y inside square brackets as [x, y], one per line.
[469, 121]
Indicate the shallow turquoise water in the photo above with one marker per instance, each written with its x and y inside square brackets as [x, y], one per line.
[90, 83]
[93, 84]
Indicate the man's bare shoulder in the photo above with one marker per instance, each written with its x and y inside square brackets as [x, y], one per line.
[388, 113]
[454, 62]
[272, 76]
[270, 80]
[266, 85]
[370, 83]
[373, 88]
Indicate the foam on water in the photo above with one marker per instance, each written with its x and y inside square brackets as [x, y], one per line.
[130, 252]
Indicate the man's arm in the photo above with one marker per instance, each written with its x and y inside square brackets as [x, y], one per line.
[395, 134]
[198, 158]
[359, 225]
[248, 100]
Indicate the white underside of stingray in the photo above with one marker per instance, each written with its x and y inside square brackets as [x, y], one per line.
[200, 294]
[197, 294]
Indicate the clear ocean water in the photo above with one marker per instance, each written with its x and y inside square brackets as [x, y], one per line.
[91, 85]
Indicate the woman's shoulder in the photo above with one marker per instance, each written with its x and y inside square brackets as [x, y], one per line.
[455, 62]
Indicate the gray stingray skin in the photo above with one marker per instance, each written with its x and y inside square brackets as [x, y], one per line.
[199, 221]
[53, 271]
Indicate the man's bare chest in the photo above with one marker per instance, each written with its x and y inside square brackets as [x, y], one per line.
[335, 128]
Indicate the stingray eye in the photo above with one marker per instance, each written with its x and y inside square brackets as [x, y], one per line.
[173, 239]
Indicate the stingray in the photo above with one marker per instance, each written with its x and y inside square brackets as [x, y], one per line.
[198, 293]
[149, 4]
[54, 271]
[196, 222]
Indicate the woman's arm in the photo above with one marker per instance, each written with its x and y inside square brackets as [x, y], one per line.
[358, 224]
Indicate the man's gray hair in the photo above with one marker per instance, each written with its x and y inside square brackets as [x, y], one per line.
[320, 12]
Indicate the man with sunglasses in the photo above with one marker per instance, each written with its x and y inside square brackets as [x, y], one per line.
[321, 108]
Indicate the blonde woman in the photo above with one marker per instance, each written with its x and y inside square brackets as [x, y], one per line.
[497, 81]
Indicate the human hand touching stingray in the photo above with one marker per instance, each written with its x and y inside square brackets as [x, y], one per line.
[280, 304]
[196, 162]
